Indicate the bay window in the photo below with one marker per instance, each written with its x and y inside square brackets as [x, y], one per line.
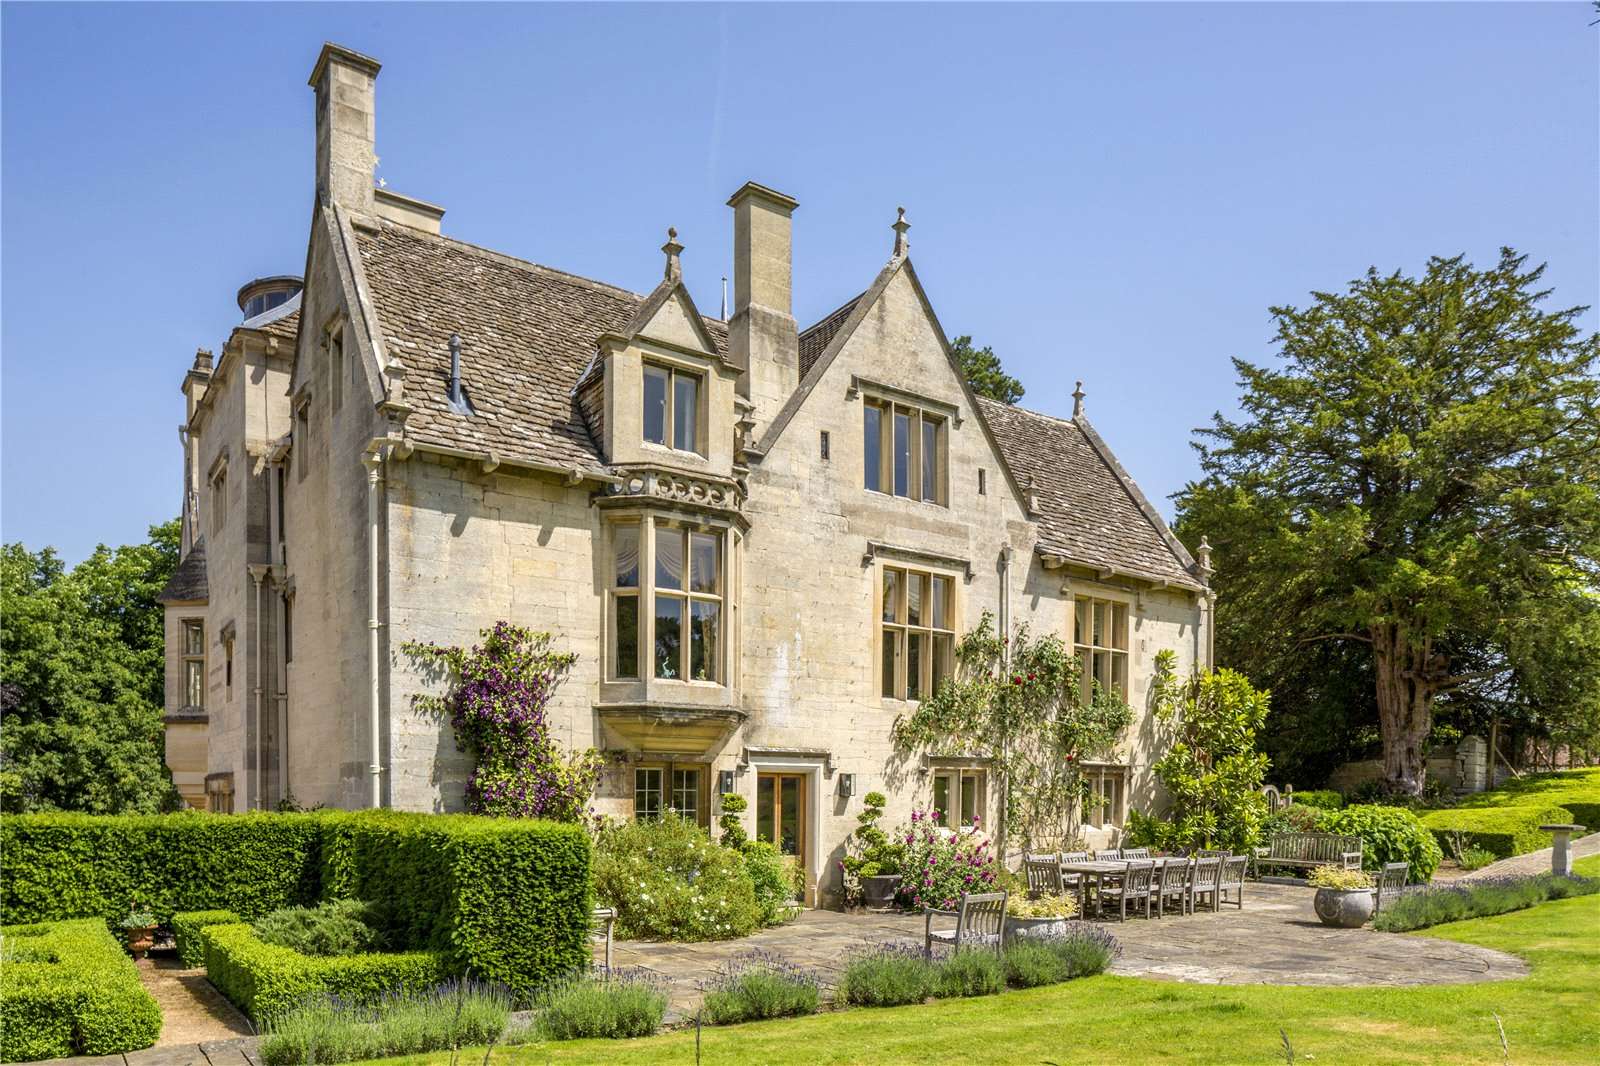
[194, 663]
[917, 632]
[678, 594]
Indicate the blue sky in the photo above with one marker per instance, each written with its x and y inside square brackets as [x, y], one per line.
[1116, 193]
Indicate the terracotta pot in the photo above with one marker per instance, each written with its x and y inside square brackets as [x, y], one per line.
[877, 893]
[1344, 908]
[140, 940]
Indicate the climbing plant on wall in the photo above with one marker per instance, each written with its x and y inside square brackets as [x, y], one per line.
[1019, 701]
[500, 691]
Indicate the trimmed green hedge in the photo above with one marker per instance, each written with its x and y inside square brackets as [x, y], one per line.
[506, 900]
[68, 988]
[1578, 791]
[503, 899]
[1326, 798]
[266, 981]
[76, 865]
[186, 926]
[1505, 831]
[1388, 834]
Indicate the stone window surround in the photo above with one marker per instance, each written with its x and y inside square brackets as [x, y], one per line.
[921, 413]
[217, 478]
[675, 367]
[187, 657]
[1099, 775]
[1131, 603]
[955, 776]
[813, 768]
[219, 793]
[882, 560]
[730, 543]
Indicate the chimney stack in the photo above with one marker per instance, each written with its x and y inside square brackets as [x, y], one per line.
[345, 85]
[763, 341]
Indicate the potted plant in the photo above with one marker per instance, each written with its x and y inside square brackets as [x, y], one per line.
[140, 928]
[1344, 897]
[874, 862]
[1045, 916]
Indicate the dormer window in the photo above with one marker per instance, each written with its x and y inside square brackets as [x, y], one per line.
[672, 407]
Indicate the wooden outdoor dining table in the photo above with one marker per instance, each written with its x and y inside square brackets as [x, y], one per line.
[1088, 871]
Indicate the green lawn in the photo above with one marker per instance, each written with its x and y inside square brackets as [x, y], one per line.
[1553, 1016]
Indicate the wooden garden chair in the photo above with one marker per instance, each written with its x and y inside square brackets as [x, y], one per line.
[1231, 879]
[1171, 884]
[1044, 875]
[1132, 886]
[980, 922]
[1391, 883]
[1203, 882]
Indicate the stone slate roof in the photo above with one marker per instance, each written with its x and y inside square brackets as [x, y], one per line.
[527, 334]
[815, 340]
[188, 581]
[286, 328]
[1090, 511]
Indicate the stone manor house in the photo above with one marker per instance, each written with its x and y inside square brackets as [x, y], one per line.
[761, 541]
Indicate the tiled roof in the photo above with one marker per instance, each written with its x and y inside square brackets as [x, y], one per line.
[286, 328]
[527, 334]
[1090, 512]
[814, 340]
[188, 581]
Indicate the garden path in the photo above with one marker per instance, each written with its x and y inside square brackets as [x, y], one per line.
[1534, 862]
[1276, 939]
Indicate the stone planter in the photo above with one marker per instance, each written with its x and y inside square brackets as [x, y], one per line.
[1344, 908]
[877, 893]
[1035, 927]
[140, 940]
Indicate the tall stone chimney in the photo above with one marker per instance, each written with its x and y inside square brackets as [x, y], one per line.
[763, 341]
[344, 82]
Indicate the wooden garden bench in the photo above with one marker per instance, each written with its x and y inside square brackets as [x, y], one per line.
[1310, 850]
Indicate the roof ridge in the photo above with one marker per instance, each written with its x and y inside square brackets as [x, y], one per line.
[515, 261]
[1028, 411]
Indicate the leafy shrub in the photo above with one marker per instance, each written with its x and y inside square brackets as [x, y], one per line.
[1477, 899]
[619, 1005]
[871, 851]
[1338, 878]
[1388, 834]
[771, 881]
[267, 981]
[68, 988]
[975, 972]
[186, 926]
[329, 929]
[1325, 798]
[1082, 951]
[1020, 906]
[330, 1030]
[940, 865]
[1474, 858]
[890, 975]
[760, 985]
[732, 826]
[668, 881]
[1502, 831]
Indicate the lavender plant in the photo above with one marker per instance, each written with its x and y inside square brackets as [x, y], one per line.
[760, 984]
[497, 707]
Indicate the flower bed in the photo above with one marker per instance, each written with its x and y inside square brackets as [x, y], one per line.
[1478, 899]
[68, 988]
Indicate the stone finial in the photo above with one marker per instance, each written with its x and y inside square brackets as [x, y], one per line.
[901, 245]
[1203, 558]
[203, 360]
[673, 250]
[1077, 401]
[1030, 496]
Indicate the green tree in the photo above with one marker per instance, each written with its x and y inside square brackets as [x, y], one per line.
[1420, 479]
[1019, 701]
[81, 678]
[983, 371]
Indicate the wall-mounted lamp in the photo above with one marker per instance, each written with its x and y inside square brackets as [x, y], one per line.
[724, 782]
[847, 785]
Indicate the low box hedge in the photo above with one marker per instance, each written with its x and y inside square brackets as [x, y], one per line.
[1325, 798]
[266, 981]
[1504, 831]
[1578, 791]
[186, 926]
[68, 988]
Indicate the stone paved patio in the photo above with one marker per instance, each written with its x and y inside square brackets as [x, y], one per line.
[1276, 939]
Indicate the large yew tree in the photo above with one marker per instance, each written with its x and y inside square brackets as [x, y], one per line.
[1418, 478]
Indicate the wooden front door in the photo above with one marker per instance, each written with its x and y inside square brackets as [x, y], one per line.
[781, 812]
